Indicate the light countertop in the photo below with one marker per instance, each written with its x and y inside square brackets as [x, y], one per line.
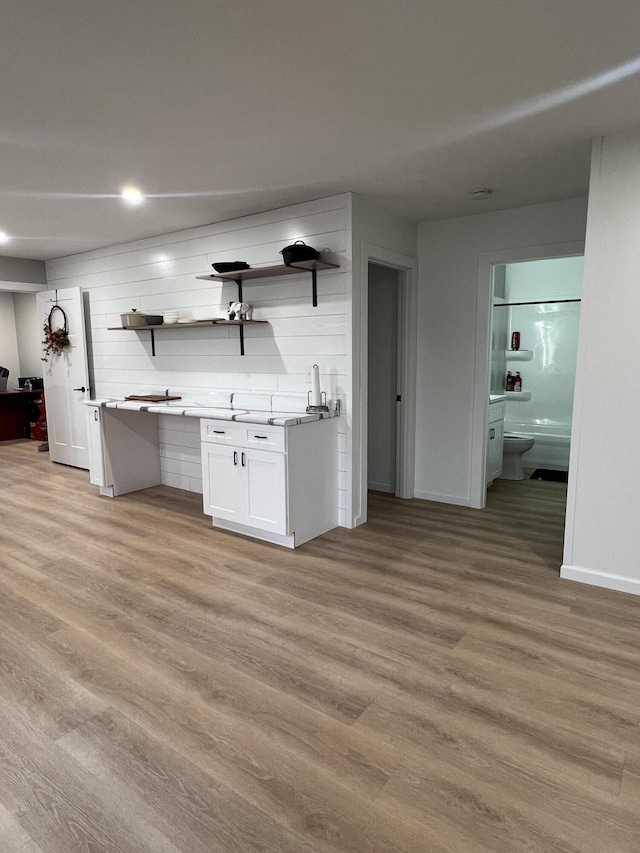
[189, 409]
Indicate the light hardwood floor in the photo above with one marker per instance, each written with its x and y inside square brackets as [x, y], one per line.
[425, 683]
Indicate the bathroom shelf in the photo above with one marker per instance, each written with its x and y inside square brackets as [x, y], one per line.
[269, 272]
[519, 354]
[517, 395]
[197, 324]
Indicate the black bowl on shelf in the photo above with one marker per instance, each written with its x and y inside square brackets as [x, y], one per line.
[231, 266]
[153, 319]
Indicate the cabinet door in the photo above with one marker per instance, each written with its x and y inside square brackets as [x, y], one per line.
[494, 450]
[97, 474]
[265, 474]
[224, 483]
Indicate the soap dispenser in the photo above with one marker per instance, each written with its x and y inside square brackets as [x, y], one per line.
[517, 382]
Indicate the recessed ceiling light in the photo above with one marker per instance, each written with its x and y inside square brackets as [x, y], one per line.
[4, 238]
[485, 192]
[132, 195]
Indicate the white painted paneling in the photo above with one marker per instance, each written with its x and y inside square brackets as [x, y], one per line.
[602, 543]
[158, 274]
[449, 255]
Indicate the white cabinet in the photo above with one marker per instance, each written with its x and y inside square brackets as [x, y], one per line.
[271, 482]
[495, 436]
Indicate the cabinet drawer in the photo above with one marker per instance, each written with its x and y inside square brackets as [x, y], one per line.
[496, 412]
[267, 437]
[243, 434]
[220, 432]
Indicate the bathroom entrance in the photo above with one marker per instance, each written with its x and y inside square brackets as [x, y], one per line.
[535, 316]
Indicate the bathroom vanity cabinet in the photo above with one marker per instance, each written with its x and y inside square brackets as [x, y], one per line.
[495, 437]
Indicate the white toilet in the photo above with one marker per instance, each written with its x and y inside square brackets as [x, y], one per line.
[514, 445]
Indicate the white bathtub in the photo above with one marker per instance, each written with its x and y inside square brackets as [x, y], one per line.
[551, 449]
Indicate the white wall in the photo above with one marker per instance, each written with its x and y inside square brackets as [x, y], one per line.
[552, 278]
[378, 236]
[29, 334]
[602, 543]
[158, 274]
[8, 340]
[15, 272]
[449, 256]
[549, 332]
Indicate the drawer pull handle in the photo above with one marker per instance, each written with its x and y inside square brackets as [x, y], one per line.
[261, 436]
[243, 460]
[219, 431]
[235, 457]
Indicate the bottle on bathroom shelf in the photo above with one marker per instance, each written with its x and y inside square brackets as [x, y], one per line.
[517, 382]
[515, 341]
[509, 383]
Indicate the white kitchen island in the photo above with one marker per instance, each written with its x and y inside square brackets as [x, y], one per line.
[267, 474]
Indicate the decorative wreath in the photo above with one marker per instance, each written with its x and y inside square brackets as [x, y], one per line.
[56, 341]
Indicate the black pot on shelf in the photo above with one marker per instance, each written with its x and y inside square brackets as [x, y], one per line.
[298, 251]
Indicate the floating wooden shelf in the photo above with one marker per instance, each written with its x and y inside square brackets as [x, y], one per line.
[272, 272]
[197, 324]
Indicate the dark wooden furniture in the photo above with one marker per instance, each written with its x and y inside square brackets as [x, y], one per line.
[15, 407]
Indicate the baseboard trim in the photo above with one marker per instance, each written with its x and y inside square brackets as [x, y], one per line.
[380, 487]
[619, 583]
[442, 499]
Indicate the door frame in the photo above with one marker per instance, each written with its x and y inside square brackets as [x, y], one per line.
[487, 262]
[407, 268]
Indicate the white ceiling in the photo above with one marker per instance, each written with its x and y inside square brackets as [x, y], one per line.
[220, 108]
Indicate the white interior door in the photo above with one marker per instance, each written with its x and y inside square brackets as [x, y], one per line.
[66, 381]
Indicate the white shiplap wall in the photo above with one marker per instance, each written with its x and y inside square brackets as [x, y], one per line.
[159, 273]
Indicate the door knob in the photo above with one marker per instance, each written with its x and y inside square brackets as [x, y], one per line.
[83, 389]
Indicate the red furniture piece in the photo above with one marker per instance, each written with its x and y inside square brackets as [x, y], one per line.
[15, 411]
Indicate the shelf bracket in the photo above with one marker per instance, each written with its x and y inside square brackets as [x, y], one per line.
[314, 283]
[241, 339]
[153, 342]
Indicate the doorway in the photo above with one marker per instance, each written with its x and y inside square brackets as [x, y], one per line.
[488, 262]
[535, 315]
[384, 379]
